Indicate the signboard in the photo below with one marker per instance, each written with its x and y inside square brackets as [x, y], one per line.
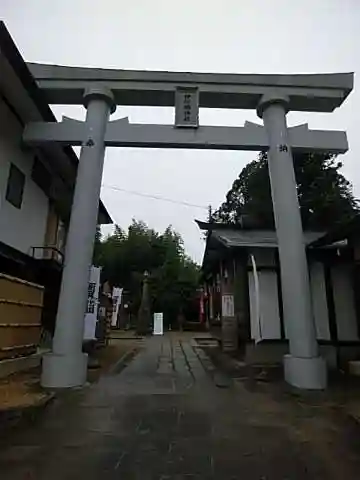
[92, 304]
[228, 306]
[116, 299]
[158, 324]
[187, 107]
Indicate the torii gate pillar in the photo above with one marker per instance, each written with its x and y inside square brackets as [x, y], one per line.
[303, 366]
[66, 365]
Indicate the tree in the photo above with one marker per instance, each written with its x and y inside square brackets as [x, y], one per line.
[325, 196]
[173, 276]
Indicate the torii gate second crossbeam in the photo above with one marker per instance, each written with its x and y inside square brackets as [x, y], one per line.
[121, 133]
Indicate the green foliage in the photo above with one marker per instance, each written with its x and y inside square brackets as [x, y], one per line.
[325, 196]
[173, 276]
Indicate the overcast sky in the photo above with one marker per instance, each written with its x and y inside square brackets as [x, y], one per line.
[236, 36]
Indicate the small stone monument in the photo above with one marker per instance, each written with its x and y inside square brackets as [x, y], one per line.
[144, 320]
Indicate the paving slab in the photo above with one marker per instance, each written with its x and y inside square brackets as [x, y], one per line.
[163, 417]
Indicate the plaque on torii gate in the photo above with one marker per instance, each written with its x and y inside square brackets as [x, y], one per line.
[272, 96]
[187, 107]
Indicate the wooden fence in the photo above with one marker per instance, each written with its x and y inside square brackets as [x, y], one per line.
[21, 305]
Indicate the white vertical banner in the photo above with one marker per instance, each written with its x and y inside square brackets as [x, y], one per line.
[158, 324]
[92, 303]
[116, 300]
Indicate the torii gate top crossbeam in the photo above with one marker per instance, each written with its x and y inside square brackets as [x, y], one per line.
[306, 92]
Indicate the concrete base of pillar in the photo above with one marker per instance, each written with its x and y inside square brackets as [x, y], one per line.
[64, 371]
[305, 373]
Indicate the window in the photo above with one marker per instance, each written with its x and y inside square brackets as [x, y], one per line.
[15, 186]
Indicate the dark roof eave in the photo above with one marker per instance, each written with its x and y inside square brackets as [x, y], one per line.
[15, 59]
[217, 226]
[244, 222]
[341, 232]
[104, 217]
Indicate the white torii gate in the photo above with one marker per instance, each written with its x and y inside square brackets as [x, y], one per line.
[271, 95]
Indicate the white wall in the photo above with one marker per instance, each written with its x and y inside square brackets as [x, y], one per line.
[269, 310]
[344, 303]
[20, 228]
[269, 327]
[319, 300]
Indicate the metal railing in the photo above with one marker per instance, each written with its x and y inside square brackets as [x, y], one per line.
[47, 253]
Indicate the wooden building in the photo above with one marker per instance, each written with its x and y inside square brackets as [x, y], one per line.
[242, 280]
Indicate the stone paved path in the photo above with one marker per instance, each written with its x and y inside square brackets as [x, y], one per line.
[164, 418]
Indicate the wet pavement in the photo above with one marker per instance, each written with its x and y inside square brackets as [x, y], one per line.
[163, 417]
